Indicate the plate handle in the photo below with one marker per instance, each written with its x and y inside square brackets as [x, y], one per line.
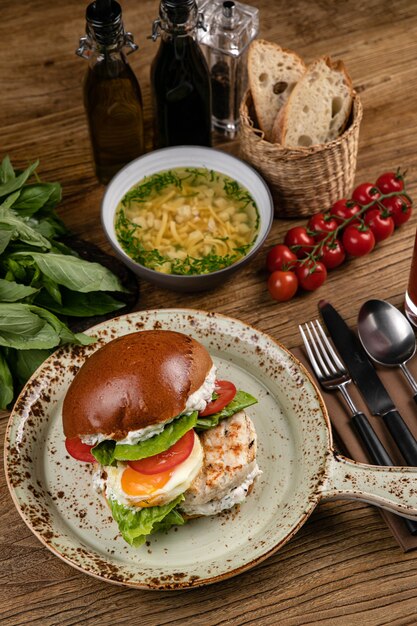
[391, 488]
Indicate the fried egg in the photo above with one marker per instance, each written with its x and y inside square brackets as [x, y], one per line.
[132, 488]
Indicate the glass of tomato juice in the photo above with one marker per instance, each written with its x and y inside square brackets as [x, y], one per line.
[411, 293]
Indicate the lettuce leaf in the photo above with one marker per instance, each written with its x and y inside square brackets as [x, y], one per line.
[159, 443]
[136, 525]
[239, 402]
[108, 451]
[103, 452]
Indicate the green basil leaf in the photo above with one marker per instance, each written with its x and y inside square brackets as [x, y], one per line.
[54, 199]
[65, 334]
[134, 526]
[10, 200]
[22, 328]
[21, 229]
[11, 291]
[80, 304]
[159, 443]
[17, 268]
[23, 363]
[241, 401]
[33, 197]
[25, 327]
[6, 383]
[75, 273]
[6, 170]
[50, 227]
[52, 289]
[6, 233]
[12, 184]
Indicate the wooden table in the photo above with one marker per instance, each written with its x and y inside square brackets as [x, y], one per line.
[343, 567]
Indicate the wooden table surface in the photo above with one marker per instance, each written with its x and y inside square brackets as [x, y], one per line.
[343, 567]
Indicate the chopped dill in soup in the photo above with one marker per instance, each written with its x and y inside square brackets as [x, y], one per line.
[187, 221]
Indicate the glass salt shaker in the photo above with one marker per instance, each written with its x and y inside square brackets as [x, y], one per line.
[230, 27]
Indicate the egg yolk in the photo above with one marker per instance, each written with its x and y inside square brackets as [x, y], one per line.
[136, 484]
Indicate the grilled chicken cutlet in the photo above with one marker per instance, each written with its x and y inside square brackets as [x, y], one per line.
[229, 467]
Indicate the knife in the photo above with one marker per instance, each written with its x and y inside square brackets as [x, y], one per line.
[366, 379]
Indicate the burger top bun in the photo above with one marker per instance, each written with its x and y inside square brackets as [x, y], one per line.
[134, 381]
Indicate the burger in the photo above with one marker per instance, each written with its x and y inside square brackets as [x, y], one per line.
[169, 441]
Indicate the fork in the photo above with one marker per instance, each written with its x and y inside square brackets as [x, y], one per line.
[332, 374]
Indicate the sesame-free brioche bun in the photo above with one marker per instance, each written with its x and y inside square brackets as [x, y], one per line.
[137, 380]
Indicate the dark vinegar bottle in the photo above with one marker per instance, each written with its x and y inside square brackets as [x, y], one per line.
[180, 78]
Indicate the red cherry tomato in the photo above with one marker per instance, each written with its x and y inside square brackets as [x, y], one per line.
[225, 391]
[358, 240]
[280, 257]
[399, 208]
[344, 209]
[365, 194]
[282, 285]
[299, 241]
[311, 275]
[382, 226]
[333, 254]
[79, 450]
[168, 459]
[390, 182]
[321, 224]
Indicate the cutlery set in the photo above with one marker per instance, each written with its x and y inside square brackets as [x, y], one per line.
[386, 337]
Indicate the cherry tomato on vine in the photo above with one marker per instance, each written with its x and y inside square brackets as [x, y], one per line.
[321, 224]
[300, 239]
[344, 209]
[282, 285]
[332, 254]
[390, 182]
[280, 257]
[399, 208]
[358, 240]
[311, 275]
[225, 392]
[79, 450]
[381, 225]
[365, 194]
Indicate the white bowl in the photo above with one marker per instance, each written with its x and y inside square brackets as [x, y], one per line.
[186, 156]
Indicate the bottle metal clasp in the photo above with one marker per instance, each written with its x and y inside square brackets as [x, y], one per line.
[201, 23]
[156, 27]
[84, 48]
[129, 43]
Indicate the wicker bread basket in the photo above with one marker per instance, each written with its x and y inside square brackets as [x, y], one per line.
[302, 180]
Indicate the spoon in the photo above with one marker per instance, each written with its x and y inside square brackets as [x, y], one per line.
[387, 337]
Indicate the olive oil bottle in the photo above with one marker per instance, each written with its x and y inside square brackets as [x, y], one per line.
[112, 95]
[180, 79]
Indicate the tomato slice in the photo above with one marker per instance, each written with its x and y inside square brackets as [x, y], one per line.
[79, 450]
[225, 391]
[168, 459]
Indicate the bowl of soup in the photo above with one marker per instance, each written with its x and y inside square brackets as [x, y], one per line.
[186, 218]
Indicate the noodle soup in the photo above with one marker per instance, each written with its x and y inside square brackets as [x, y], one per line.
[187, 221]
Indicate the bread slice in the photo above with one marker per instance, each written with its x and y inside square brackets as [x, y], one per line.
[319, 106]
[273, 73]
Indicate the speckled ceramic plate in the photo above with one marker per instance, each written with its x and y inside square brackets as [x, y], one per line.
[53, 493]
